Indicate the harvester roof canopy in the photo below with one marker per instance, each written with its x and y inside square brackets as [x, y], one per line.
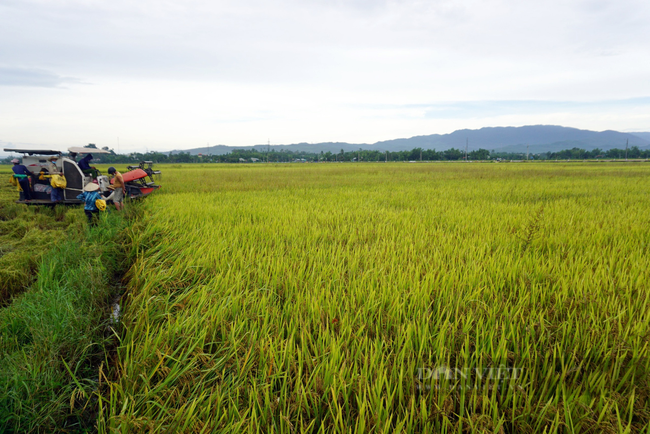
[34, 151]
[87, 151]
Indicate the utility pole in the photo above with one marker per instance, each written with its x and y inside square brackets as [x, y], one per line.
[387, 156]
[527, 151]
[466, 146]
[268, 149]
[626, 143]
[420, 155]
[118, 145]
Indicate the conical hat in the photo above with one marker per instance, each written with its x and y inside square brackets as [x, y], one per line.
[91, 187]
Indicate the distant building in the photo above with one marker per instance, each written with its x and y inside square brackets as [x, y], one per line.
[255, 160]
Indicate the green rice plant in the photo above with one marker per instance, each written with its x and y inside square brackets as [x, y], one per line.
[532, 228]
[387, 298]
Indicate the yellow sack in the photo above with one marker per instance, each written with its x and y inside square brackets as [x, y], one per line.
[14, 182]
[100, 204]
[58, 181]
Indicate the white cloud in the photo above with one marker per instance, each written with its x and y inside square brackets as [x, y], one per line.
[177, 74]
[32, 77]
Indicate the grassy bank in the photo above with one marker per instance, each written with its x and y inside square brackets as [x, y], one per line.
[54, 331]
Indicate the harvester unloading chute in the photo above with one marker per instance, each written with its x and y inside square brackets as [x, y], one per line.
[139, 180]
[134, 175]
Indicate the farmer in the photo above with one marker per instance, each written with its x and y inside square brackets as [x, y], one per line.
[51, 166]
[23, 180]
[84, 165]
[57, 193]
[89, 196]
[119, 190]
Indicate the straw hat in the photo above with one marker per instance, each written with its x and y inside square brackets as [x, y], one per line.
[91, 187]
[15, 161]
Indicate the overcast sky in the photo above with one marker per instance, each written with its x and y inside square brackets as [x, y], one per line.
[171, 74]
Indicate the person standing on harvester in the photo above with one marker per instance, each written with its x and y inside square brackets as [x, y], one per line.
[118, 187]
[57, 193]
[89, 196]
[23, 180]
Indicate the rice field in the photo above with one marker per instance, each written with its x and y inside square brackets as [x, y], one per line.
[387, 298]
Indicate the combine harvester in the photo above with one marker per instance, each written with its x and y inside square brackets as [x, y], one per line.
[138, 180]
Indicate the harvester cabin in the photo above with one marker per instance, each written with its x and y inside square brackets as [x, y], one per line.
[37, 161]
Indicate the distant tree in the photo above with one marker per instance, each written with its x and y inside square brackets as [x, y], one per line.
[479, 154]
[594, 153]
[453, 154]
[414, 154]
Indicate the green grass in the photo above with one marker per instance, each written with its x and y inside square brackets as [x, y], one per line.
[54, 329]
[26, 233]
[307, 298]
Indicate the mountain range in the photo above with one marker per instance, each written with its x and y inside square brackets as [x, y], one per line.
[533, 138]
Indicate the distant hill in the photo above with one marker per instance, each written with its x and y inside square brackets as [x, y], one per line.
[333, 147]
[538, 138]
[644, 136]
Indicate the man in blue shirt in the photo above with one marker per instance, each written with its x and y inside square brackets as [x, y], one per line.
[21, 170]
[89, 196]
[84, 165]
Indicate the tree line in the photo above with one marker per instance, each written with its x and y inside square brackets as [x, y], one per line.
[417, 154]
